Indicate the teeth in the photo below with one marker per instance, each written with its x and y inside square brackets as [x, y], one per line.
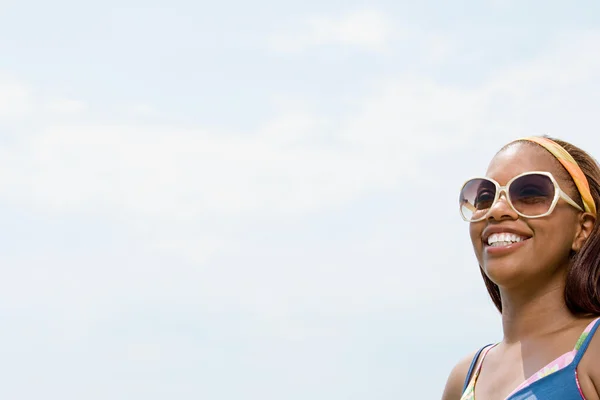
[504, 239]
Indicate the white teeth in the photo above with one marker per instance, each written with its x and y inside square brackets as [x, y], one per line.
[500, 244]
[504, 239]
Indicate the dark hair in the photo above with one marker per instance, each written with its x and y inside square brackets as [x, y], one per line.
[582, 289]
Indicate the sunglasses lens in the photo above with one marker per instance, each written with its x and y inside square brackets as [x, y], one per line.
[476, 197]
[532, 195]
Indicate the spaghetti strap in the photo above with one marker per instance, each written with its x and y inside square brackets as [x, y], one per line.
[584, 341]
[472, 367]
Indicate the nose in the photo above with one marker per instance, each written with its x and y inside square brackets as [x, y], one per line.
[501, 209]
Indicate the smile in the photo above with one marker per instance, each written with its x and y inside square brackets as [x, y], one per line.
[504, 239]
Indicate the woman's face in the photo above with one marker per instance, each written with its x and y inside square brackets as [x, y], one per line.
[547, 241]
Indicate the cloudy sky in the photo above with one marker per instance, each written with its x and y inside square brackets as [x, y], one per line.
[258, 200]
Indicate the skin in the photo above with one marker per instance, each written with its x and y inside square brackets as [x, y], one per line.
[537, 325]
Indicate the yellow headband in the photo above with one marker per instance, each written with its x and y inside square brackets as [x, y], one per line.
[571, 166]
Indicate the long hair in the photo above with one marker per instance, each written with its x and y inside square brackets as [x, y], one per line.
[582, 289]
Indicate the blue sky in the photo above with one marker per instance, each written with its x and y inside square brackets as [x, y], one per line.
[258, 201]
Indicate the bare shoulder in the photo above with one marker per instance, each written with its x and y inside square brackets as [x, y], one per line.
[456, 379]
[589, 369]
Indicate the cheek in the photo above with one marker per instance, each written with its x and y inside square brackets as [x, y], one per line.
[554, 240]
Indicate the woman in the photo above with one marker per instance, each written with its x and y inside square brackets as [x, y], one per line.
[534, 232]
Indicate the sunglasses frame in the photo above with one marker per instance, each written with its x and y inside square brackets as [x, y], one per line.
[558, 194]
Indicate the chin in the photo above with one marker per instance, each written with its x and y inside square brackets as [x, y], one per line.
[504, 272]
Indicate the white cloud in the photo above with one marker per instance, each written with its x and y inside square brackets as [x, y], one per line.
[298, 161]
[437, 47]
[143, 109]
[197, 249]
[367, 29]
[286, 167]
[66, 106]
[15, 98]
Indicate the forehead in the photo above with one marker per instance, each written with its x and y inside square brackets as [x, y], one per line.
[523, 157]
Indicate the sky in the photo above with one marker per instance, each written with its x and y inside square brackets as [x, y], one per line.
[235, 200]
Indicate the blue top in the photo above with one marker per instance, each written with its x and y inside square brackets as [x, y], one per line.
[559, 385]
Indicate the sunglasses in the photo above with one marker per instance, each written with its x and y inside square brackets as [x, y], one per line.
[530, 195]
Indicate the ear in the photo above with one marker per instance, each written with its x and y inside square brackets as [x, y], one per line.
[584, 229]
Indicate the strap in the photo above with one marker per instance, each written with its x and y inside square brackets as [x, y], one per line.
[472, 367]
[586, 342]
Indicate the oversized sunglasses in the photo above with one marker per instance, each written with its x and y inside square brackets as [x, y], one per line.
[530, 195]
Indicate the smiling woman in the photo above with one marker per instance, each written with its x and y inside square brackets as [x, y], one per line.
[533, 228]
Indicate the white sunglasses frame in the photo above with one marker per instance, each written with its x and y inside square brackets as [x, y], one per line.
[558, 194]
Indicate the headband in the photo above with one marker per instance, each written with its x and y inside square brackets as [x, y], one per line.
[572, 168]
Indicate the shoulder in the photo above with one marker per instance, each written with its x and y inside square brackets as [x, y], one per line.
[456, 379]
[589, 367]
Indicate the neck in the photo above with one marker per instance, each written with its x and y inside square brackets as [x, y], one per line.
[527, 314]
